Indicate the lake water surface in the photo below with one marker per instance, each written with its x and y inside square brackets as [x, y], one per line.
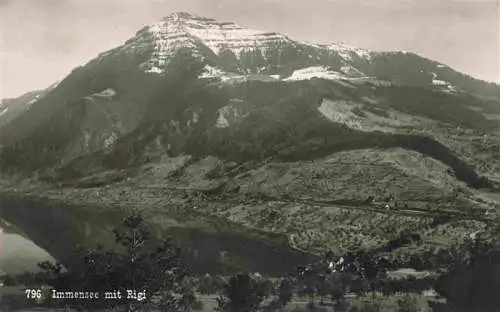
[19, 254]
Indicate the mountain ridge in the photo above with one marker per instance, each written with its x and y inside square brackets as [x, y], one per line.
[227, 53]
[341, 61]
[169, 121]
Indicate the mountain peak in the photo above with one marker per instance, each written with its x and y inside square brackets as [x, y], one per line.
[180, 14]
[182, 29]
[183, 16]
[208, 37]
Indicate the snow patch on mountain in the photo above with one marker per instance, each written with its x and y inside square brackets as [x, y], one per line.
[5, 110]
[232, 78]
[33, 100]
[351, 71]
[348, 52]
[154, 70]
[106, 93]
[311, 44]
[315, 72]
[55, 85]
[211, 72]
[438, 82]
[451, 88]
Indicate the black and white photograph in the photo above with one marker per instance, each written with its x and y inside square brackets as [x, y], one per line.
[250, 156]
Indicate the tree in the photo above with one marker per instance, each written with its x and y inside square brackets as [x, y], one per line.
[207, 286]
[472, 280]
[136, 264]
[187, 302]
[324, 288]
[285, 291]
[374, 306]
[240, 294]
[339, 284]
[264, 286]
[340, 305]
[309, 285]
[408, 304]
[368, 269]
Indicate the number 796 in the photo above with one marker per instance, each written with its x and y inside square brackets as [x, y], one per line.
[33, 293]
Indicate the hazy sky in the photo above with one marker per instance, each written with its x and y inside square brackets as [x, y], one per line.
[42, 40]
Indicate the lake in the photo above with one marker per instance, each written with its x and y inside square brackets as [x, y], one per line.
[19, 254]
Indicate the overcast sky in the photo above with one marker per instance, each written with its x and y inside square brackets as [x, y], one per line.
[42, 40]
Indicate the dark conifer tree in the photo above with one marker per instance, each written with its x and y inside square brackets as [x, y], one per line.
[136, 264]
[240, 294]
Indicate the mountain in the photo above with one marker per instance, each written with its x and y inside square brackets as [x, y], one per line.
[268, 133]
[231, 53]
[11, 108]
